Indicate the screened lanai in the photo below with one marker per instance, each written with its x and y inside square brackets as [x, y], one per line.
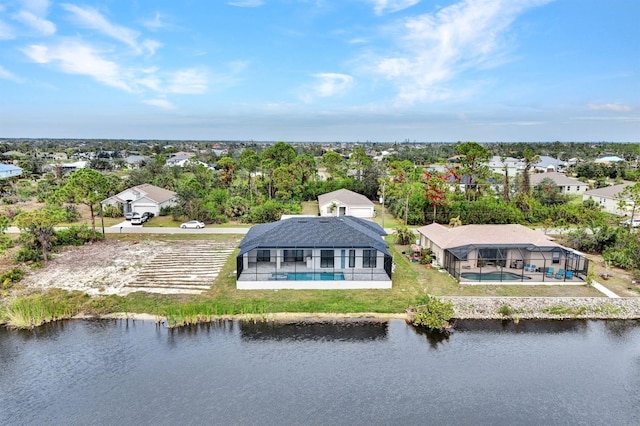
[478, 262]
[509, 252]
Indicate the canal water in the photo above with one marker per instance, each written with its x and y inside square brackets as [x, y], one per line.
[119, 372]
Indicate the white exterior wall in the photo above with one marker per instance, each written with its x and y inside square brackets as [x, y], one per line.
[363, 212]
[313, 265]
[312, 285]
[608, 205]
[359, 211]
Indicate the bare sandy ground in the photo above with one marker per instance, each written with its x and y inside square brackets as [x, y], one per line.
[105, 267]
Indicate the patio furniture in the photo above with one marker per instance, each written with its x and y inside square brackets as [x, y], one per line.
[550, 272]
[569, 275]
[560, 274]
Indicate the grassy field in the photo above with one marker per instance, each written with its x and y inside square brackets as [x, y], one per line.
[410, 281]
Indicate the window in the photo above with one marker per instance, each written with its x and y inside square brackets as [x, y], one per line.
[264, 255]
[555, 256]
[369, 258]
[352, 258]
[293, 255]
[326, 258]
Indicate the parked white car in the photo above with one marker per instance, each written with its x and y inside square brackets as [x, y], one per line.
[192, 224]
[633, 222]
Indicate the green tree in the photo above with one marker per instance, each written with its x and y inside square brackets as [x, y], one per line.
[277, 155]
[359, 161]
[333, 162]
[631, 196]
[530, 158]
[227, 167]
[39, 225]
[87, 186]
[473, 165]
[249, 161]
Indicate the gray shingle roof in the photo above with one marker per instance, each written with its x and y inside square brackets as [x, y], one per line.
[608, 191]
[316, 232]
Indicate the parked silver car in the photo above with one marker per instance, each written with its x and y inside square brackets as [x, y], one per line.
[192, 224]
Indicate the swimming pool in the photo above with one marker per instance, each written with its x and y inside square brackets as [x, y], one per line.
[308, 276]
[493, 276]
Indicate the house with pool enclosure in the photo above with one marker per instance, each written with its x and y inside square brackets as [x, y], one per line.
[314, 253]
[498, 253]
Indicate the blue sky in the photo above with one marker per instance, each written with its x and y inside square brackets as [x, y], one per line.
[321, 70]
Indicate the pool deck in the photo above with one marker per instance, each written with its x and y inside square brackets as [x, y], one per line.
[535, 278]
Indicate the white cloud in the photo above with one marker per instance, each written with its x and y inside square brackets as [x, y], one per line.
[437, 47]
[92, 19]
[151, 45]
[246, 3]
[74, 57]
[160, 103]
[188, 81]
[610, 107]
[327, 85]
[7, 75]
[41, 25]
[382, 6]
[38, 7]
[155, 23]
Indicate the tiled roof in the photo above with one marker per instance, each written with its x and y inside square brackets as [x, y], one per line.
[316, 232]
[155, 193]
[510, 234]
[608, 191]
[559, 178]
[345, 196]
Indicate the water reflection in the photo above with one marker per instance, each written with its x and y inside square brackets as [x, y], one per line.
[434, 338]
[620, 330]
[523, 326]
[346, 331]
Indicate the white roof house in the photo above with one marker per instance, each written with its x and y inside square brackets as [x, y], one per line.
[7, 171]
[511, 247]
[143, 198]
[567, 185]
[607, 198]
[344, 202]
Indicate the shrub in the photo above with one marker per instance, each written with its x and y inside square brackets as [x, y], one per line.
[505, 310]
[27, 255]
[76, 236]
[404, 235]
[10, 277]
[433, 313]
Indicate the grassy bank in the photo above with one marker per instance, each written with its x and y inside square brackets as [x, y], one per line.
[410, 281]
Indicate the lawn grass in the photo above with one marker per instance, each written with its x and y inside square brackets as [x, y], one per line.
[410, 281]
[310, 207]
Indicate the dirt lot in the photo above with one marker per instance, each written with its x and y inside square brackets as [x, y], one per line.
[105, 267]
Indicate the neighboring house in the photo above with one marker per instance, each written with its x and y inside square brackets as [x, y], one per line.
[474, 249]
[135, 161]
[345, 203]
[66, 168]
[314, 253]
[567, 185]
[608, 159]
[607, 198]
[8, 171]
[549, 164]
[142, 198]
[513, 165]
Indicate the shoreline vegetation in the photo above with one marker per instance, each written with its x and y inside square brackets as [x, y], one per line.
[411, 282]
[465, 308]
